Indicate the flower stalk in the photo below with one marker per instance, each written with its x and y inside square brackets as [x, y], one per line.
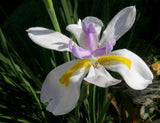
[50, 9]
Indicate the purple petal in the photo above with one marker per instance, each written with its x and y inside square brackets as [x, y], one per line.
[91, 28]
[84, 27]
[104, 49]
[89, 37]
[100, 51]
[78, 51]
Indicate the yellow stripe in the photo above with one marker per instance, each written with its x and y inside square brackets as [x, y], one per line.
[82, 65]
[104, 60]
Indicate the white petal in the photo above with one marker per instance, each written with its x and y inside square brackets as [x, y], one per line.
[139, 76]
[61, 99]
[119, 25]
[98, 23]
[75, 29]
[49, 39]
[100, 77]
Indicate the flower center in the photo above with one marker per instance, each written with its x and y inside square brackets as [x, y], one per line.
[93, 61]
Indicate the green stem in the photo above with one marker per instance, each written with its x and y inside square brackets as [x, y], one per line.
[105, 96]
[53, 60]
[94, 99]
[75, 11]
[50, 8]
[66, 11]
[105, 106]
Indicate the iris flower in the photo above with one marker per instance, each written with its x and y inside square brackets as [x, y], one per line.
[61, 87]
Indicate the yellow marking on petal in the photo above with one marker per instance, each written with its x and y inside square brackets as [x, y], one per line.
[82, 65]
[104, 60]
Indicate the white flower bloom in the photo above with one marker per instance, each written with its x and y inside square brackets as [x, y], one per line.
[61, 87]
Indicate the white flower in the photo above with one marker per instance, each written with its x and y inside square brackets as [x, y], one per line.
[61, 87]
